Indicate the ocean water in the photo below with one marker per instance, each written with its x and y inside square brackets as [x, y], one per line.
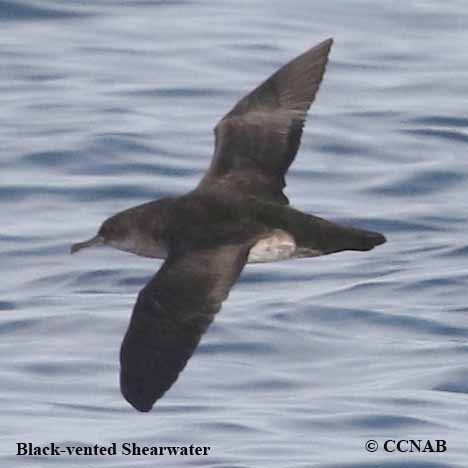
[105, 105]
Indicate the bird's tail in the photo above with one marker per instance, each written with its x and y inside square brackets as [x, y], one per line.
[338, 238]
[328, 237]
[317, 236]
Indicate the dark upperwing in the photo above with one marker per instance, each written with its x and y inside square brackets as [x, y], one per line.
[257, 140]
[171, 314]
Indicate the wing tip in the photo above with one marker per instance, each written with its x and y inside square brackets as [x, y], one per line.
[138, 393]
[137, 401]
[325, 45]
[142, 409]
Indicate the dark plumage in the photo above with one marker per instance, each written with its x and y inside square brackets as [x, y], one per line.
[237, 214]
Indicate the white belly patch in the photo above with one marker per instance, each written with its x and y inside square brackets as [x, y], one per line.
[278, 246]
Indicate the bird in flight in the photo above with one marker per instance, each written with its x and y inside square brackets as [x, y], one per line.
[237, 214]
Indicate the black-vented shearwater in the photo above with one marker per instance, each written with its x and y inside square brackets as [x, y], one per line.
[237, 214]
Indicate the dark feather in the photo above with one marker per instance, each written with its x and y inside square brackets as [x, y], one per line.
[257, 140]
[171, 314]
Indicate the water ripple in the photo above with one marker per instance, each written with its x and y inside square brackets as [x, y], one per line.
[16, 11]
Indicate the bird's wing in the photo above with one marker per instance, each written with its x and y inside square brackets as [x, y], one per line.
[257, 140]
[172, 312]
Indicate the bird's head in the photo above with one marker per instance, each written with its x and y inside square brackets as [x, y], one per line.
[130, 230]
[113, 231]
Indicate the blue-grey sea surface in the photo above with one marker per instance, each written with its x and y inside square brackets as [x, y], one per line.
[105, 105]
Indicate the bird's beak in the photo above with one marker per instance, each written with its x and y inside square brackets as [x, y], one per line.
[96, 240]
